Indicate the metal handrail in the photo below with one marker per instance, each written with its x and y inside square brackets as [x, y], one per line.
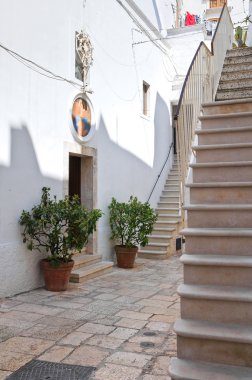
[200, 86]
[202, 44]
[160, 172]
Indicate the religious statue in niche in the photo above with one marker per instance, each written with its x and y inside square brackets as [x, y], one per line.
[81, 116]
[83, 55]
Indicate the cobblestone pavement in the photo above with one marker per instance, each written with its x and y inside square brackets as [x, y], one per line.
[121, 323]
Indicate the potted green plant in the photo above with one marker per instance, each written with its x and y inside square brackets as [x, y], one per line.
[130, 224]
[58, 228]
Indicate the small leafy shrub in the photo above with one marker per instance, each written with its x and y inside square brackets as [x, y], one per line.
[58, 227]
[131, 222]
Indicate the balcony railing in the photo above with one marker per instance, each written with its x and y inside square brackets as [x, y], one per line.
[200, 86]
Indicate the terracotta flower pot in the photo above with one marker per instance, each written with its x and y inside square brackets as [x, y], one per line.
[56, 278]
[125, 256]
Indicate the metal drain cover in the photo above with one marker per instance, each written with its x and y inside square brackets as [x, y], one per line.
[42, 370]
[147, 344]
[150, 333]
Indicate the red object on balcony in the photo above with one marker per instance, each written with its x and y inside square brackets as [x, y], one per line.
[190, 19]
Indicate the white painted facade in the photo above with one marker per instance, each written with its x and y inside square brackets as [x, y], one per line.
[35, 117]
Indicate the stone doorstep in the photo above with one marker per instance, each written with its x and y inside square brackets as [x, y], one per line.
[84, 260]
[153, 255]
[84, 273]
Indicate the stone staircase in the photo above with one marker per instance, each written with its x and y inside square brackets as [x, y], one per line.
[162, 241]
[236, 77]
[88, 266]
[214, 334]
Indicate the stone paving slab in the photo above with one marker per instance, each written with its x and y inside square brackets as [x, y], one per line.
[121, 323]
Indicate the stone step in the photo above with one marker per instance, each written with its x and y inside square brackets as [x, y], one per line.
[161, 247]
[153, 254]
[198, 370]
[172, 181]
[238, 59]
[216, 303]
[236, 75]
[153, 239]
[235, 119]
[171, 188]
[173, 174]
[222, 171]
[169, 217]
[217, 270]
[163, 230]
[233, 67]
[214, 342]
[169, 192]
[239, 52]
[224, 136]
[234, 84]
[162, 209]
[227, 241]
[234, 94]
[170, 199]
[85, 273]
[223, 152]
[227, 106]
[220, 192]
[219, 215]
[169, 204]
[84, 260]
[167, 223]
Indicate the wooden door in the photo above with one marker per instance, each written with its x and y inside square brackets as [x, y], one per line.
[217, 3]
[74, 176]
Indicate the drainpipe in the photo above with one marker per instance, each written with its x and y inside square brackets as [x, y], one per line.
[160, 22]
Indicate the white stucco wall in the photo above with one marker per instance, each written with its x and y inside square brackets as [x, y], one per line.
[34, 117]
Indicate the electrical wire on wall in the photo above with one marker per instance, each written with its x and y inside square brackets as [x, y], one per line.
[38, 68]
[148, 34]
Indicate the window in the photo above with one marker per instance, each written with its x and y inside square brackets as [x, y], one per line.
[217, 3]
[146, 98]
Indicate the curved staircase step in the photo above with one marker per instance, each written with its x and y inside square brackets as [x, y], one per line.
[216, 260]
[215, 292]
[234, 93]
[227, 106]
[181, 369]
[226, 120]
[220, 164]
[217, 270]
[223, 232]
[213, 331]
